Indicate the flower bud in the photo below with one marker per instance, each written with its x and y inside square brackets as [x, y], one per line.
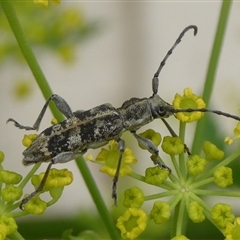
[160, 212]
[35, 206]
[223, 176]
[10, 177]
[11, 193]
[155, 175]
[172, 145]
[133, 198]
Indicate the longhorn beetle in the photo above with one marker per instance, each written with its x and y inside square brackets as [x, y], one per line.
[95, 127]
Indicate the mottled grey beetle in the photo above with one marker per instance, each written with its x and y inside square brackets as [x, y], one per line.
[94, 128]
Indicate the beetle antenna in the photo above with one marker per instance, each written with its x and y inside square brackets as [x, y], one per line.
[206, 110]
[155, 80]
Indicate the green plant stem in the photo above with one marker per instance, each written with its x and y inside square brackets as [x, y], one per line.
[45, 88]
[161, 195]
[211, 72]
[182, 164]
[179, 220]
[29, 175]
[16, 236]
[204, 192]
[96, 195]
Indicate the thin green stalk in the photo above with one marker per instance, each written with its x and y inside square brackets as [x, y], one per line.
[161, 195]
[179, 220]
[29, 175]
[182, 163]
[177, 168]
[45, 88]
[97, 198]
[227, 193]
[16, 236]
[212, 68]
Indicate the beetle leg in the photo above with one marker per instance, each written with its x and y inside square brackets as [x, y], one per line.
[61, 104]
[149, 145]
[60, 158]
[121, 148]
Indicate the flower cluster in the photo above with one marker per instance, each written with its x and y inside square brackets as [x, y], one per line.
[107, 158]
[185, 187]
[12, 185]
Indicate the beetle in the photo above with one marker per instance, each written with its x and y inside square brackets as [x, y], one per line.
[91, 129]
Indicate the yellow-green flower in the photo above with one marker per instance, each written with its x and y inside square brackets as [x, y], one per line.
[10, 224]
[160, 212]
[188, 100]
[155, 175]
[172, 145]
[196, 165]
[9, 177]
[212, 152]
[195, 212]
[223, 176]
[232, 231]
[11, 193]
[44, 3]
[109, 158]
[222, 214]
[56, 179]
[35, 206]
[28, 139]
[133, 198]
[236, 132]
[153, 136]
[132, 223]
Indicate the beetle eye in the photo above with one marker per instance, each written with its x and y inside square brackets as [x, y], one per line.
[161, 111]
